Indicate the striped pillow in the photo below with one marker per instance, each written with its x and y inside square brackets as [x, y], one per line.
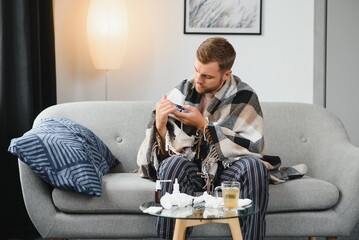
[65, 154]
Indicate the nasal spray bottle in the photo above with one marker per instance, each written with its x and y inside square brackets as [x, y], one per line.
[158, 189]
[176, 187]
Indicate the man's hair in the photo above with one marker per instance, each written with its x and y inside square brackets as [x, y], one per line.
[218, 50]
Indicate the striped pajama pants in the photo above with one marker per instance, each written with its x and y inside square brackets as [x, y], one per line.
[249, 171]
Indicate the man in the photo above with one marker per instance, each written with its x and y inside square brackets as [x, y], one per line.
[216, 136]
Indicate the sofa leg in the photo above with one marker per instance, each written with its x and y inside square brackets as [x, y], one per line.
[327, 238]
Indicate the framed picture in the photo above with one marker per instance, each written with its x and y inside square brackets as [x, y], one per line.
[222, 16]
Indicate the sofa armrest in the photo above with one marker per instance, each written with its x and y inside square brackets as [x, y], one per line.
[38, 201]
[340, 167]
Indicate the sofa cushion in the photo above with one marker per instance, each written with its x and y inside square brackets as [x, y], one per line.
[125, 192]
[65, 154]
[121, 193]
[302, 194]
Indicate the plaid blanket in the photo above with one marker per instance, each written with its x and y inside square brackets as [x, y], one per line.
[235, 129]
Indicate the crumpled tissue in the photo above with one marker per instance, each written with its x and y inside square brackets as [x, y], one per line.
[210, 201]
[177, 199]
[182, 200]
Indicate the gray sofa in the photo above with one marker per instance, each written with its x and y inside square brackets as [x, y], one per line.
[322, 203]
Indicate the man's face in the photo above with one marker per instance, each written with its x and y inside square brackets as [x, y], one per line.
[208, 78]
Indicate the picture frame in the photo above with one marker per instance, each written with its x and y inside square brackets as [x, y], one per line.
[223, 17]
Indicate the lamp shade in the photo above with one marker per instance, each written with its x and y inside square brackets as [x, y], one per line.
[107, 32]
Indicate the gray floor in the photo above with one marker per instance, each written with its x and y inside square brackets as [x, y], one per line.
[353, 236]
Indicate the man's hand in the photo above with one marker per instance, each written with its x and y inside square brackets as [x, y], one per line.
[191, 117]
[163, 108]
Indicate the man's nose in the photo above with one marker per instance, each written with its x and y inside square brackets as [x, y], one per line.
[198, 79]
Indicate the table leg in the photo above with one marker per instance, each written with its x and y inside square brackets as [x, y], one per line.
[180, 229]
[182, 224]
[235, 228]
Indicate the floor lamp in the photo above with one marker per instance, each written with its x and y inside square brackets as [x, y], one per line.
[107, 34]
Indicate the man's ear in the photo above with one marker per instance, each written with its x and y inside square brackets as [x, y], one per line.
[227, 74]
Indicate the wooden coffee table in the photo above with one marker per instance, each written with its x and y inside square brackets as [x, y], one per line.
[190, 217]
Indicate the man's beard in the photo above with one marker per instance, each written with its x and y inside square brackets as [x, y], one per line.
[212, 90]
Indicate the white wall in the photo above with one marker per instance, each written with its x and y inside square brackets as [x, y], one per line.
[278, 64]
[343, 64]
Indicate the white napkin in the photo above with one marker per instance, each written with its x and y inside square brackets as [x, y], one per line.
[152, 210]
[243, 203]
[177, 212]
